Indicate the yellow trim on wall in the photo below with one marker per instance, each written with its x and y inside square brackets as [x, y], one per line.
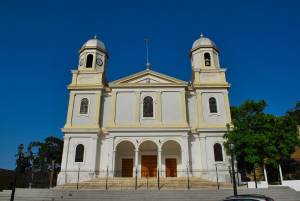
[158, 107]
[155, 125]
[138, 107]
[98, 108]
[70, 110]
[113, 108]
[200, 117]
[183, 106]
[227, 107]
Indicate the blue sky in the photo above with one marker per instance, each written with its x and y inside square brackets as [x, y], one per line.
[39, 43]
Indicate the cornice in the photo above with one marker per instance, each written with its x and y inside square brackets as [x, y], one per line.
[211, 85]
[146, 85]
[146, 129]
[80, 130]
[85, 87]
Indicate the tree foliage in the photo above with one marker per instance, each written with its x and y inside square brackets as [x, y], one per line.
[40, 154]
[262, 138]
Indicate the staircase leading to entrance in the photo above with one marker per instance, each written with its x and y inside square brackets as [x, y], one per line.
[146, 183]
[278, 193]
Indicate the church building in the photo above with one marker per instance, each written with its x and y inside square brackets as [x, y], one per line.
[146, 124]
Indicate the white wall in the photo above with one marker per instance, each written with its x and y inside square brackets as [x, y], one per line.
[214, 118]
[125, 108]
[84, 119]
[171, 108]
[195, 152]
[106, 113]
[192, 110]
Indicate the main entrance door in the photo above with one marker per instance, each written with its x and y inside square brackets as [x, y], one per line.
[171, 167]
[149, 165]
[127, 167]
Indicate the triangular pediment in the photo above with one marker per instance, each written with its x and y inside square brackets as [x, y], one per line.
[147, 77]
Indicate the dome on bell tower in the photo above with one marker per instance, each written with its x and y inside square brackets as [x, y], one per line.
[203, 42]
[94, 43]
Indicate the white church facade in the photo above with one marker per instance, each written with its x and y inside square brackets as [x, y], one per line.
[147, 123]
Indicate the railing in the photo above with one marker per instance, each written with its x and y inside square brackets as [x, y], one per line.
[146, 179]
[154, 178]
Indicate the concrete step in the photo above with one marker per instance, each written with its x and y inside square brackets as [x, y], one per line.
[129, 183]
[278, 193]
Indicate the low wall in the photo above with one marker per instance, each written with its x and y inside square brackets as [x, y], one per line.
[294, 184]
[260, 184]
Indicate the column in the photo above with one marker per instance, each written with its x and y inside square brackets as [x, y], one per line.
[137, 106]
[183, 107]
[70, 110]
[98, 109]
[200, 153]
[199, 109]
[159, 160]
[113, 162]
[113, 109]
[94, 154]
[136, 161]
[65, 155]
[185, 154]
[64, 160]
[227, 107]
[158, 107]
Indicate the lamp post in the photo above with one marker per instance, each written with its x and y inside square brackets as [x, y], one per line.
[19, 163]
[231, 148]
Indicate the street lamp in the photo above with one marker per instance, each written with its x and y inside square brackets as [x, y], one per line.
[231, 148]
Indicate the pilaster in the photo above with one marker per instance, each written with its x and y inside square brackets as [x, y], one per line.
[70, 110]
[98, 109]
[138, 107]
[64, 160]
[183, 106]
[113, 108]
[227, 107]
[199, 109]
[158, 106]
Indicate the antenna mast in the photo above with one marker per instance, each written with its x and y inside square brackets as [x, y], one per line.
[148, 65]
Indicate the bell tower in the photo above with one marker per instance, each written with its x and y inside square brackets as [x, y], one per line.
[88, 82]
[205, 62]
[209, 83]
[92, 62]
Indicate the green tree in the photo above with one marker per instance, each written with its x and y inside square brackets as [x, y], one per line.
[41, 153]
[261, 138]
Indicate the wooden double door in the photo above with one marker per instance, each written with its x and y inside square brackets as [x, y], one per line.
[127, 167]
[171, 167]
[149, 166]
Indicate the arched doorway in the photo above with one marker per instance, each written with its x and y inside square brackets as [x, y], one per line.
[171, 158]
[124, 160]
[148, 154]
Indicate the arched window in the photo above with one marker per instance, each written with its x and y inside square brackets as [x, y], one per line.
[213, 105]
[79, 153]
[148, 107]
[218, 152]
[207, 59]
[89, 61]
[84, 106]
